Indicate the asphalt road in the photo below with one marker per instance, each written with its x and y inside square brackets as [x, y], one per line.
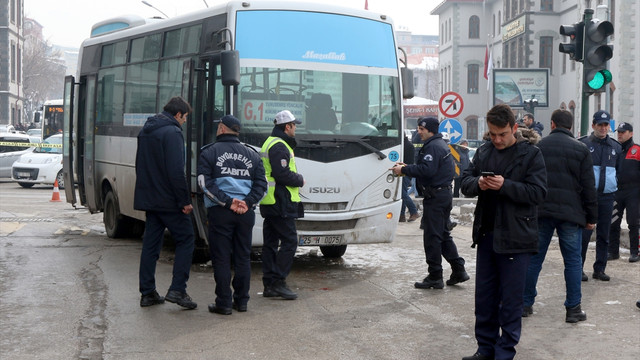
[68, 291]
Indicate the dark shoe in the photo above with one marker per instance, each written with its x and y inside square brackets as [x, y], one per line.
[402, 218]
[634, 258]
[611, 256]
[584, 277]
[269, 292]
[281, 288]
[181, 299]
[413, 217]
[638, 303]
[451, 224]
[240, 308]
[528, 311]
[151, 299]
[575, 314]
[458, 277]
[600, 275]
[477, 356]
[428, 283]
[219, 310]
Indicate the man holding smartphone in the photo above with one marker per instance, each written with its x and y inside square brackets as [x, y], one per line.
[509, 177]
[434, 170]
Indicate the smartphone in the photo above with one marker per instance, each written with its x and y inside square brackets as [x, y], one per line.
[487, 173]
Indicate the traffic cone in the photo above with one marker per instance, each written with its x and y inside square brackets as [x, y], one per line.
[56, 192]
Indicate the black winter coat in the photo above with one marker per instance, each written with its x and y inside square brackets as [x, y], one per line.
[571, 184]
[525, 187]
[161, 184]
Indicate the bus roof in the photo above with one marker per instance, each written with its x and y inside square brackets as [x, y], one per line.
[130, 25]
[53, 102]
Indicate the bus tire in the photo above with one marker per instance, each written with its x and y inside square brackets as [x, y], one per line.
[26, 185]
[333, 251]
[114, 223]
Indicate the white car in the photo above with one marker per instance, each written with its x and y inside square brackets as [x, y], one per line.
[41, 166]
[35, 135]
[12, 146]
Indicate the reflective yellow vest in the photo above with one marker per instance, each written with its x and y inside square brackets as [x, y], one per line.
[270, 199]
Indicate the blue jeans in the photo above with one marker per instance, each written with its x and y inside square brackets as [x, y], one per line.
[570, 240]
[407, 202]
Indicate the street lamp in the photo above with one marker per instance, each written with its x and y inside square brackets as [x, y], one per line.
[151, 6]
[530, 104]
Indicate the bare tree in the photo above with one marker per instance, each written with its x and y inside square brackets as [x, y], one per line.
[44, 72]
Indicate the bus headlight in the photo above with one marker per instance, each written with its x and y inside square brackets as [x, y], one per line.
[387, 193]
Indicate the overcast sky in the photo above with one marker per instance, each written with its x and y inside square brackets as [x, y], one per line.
[68, 22]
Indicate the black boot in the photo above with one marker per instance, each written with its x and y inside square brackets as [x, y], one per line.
[575, 314]
[458, 277]
[429, 283]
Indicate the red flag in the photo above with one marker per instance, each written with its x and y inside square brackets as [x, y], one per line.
[366, 4]
[486, 62]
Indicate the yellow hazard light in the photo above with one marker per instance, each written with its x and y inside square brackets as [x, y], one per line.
[389, 216]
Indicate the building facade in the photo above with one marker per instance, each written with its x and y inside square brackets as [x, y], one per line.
[11, 46]
[524, 34]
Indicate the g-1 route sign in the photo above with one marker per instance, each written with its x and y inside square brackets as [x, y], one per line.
[451, 104]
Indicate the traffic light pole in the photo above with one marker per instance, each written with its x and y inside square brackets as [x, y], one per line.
[584, 115]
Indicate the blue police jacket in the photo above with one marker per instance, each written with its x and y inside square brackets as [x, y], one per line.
[434, 166]
[232, 170]
[607, 158]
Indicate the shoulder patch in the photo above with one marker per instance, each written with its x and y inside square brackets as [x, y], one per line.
[283, 162]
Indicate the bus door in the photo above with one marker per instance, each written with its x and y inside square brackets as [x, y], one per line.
[88, 189]
[68, 141]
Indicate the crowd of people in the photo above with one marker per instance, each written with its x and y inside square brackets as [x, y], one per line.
[527, 187]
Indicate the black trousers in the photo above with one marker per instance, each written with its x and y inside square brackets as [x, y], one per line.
[629, 200]
[276, 262]
[230, 239]
[437, 238]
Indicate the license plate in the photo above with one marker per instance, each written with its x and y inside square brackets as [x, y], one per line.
[23, 174]
[321, 240]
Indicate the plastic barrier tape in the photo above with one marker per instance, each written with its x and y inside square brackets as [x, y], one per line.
[24, 144]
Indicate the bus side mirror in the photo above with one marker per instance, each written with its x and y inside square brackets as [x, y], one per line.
[36, 117]
[407, 83]
[230, 67]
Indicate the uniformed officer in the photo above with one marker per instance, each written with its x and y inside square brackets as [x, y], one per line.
[434, 170]
[281, 206]
[232, 176]
[628, 195]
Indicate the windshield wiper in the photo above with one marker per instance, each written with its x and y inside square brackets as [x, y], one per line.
[307, 143]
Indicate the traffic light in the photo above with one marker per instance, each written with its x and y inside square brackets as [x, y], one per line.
[574, 47]
[596, 54]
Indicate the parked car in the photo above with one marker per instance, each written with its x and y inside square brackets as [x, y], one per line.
[43, 165]
[10, 152]
[35, 135]
[4, 128]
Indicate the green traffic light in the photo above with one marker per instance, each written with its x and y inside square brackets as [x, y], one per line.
[597, 81]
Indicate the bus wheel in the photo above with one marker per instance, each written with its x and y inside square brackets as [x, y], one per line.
[25, 185]
[114, 222]
[333, 251]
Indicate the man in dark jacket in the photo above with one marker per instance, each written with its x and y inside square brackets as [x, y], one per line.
[628, 195]
[281, 206]
[162, 192]
[530, 122]
[234, 183]
[571, 205]
[509, 177]
[607, 158]
[434, 173]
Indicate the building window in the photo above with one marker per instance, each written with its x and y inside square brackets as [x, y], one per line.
[472, 128]
[493, 28]
[514, 8]
[13, 11]
[546, 5]
[473, 73]
[564, 64]
[442, 34]
[474, 27]
[13, 61]
[499, 22]
[546, 52]
[612, 90]
[521, 53]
